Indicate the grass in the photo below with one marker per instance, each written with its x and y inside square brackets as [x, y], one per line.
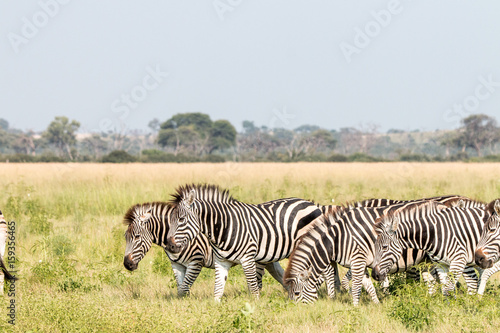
[70, 245]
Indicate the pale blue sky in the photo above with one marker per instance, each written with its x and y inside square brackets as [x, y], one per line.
[277, 63]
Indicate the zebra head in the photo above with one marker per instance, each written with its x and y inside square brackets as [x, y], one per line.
[138, 236]
[301, 286]
[488, 247]
[388, 247]
[185, 223]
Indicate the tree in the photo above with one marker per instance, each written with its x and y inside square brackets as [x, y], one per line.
[154, 125]
[196, 133]
[4, 124]
[222, 135]
[478, 131]
[61, 133]
[95, 145]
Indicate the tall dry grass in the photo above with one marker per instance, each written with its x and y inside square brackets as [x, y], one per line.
[70, 246]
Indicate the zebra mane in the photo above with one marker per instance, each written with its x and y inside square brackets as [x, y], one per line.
[409, 212]
[470, 202]
[207, 192]
[134, 211]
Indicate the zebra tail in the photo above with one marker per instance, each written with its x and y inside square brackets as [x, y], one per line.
[8, 276]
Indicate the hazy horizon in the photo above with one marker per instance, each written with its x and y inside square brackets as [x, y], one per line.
[395, 64]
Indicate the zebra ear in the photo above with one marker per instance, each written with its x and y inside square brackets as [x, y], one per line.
[497, 207]
[461, 203]
[191, 197]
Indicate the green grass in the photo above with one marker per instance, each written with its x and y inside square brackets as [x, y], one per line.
[70, 245]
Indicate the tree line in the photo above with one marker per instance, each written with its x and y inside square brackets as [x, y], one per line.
[195, 137]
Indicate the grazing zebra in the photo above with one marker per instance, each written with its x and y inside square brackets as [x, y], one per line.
[347, 237]
[488, 247]
[448, 235]
[241, 233]
[3, 239]
[149, 223]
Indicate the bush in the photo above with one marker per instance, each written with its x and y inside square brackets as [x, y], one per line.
[119, 156]
[492, 158]
[413, 158]
[49, 157]
[362, 157]
[337, 158]
[62, 245]
[214, 159]
[459, 157]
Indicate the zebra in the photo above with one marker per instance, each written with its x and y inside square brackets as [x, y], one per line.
[488, 247]
[149, 223]
[3, 240]
[345, 236]
[448, 234]
[412, 273]
[239, 232]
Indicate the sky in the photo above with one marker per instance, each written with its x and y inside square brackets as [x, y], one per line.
[118, 64]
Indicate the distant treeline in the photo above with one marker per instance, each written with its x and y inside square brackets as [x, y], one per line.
[194, 137]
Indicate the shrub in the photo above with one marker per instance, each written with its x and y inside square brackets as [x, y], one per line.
[362, 157]
[61, 245]
[119, 156]
[413, 158]
[214, 159]
[337, 158]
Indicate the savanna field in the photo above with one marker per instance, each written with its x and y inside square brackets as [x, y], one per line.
[70, 245]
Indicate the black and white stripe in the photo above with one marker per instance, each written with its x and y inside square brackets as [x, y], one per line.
[448, 234]
[240, 233]
[347, 237]
[487, 251]
[148, 223]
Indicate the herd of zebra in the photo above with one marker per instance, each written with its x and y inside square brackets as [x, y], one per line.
[203, 226]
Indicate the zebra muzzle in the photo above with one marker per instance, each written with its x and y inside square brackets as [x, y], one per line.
[377, 275]
[481, 260]
[129, 263]
[172, 246]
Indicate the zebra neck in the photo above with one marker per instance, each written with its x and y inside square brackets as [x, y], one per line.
[158, 231]
[417, 234]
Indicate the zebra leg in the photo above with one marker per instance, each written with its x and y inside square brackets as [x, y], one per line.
[276, 272]
[221, 270]
[346, 280]
[368, 285]
[192, 271]
[456, 270]
[471, 280]
[485, 275]
[385, 285]
[330, 275]
[259, 273]
[179, 272]
[248, 265]
[429, 281]
[358, 268]
[337, 277]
